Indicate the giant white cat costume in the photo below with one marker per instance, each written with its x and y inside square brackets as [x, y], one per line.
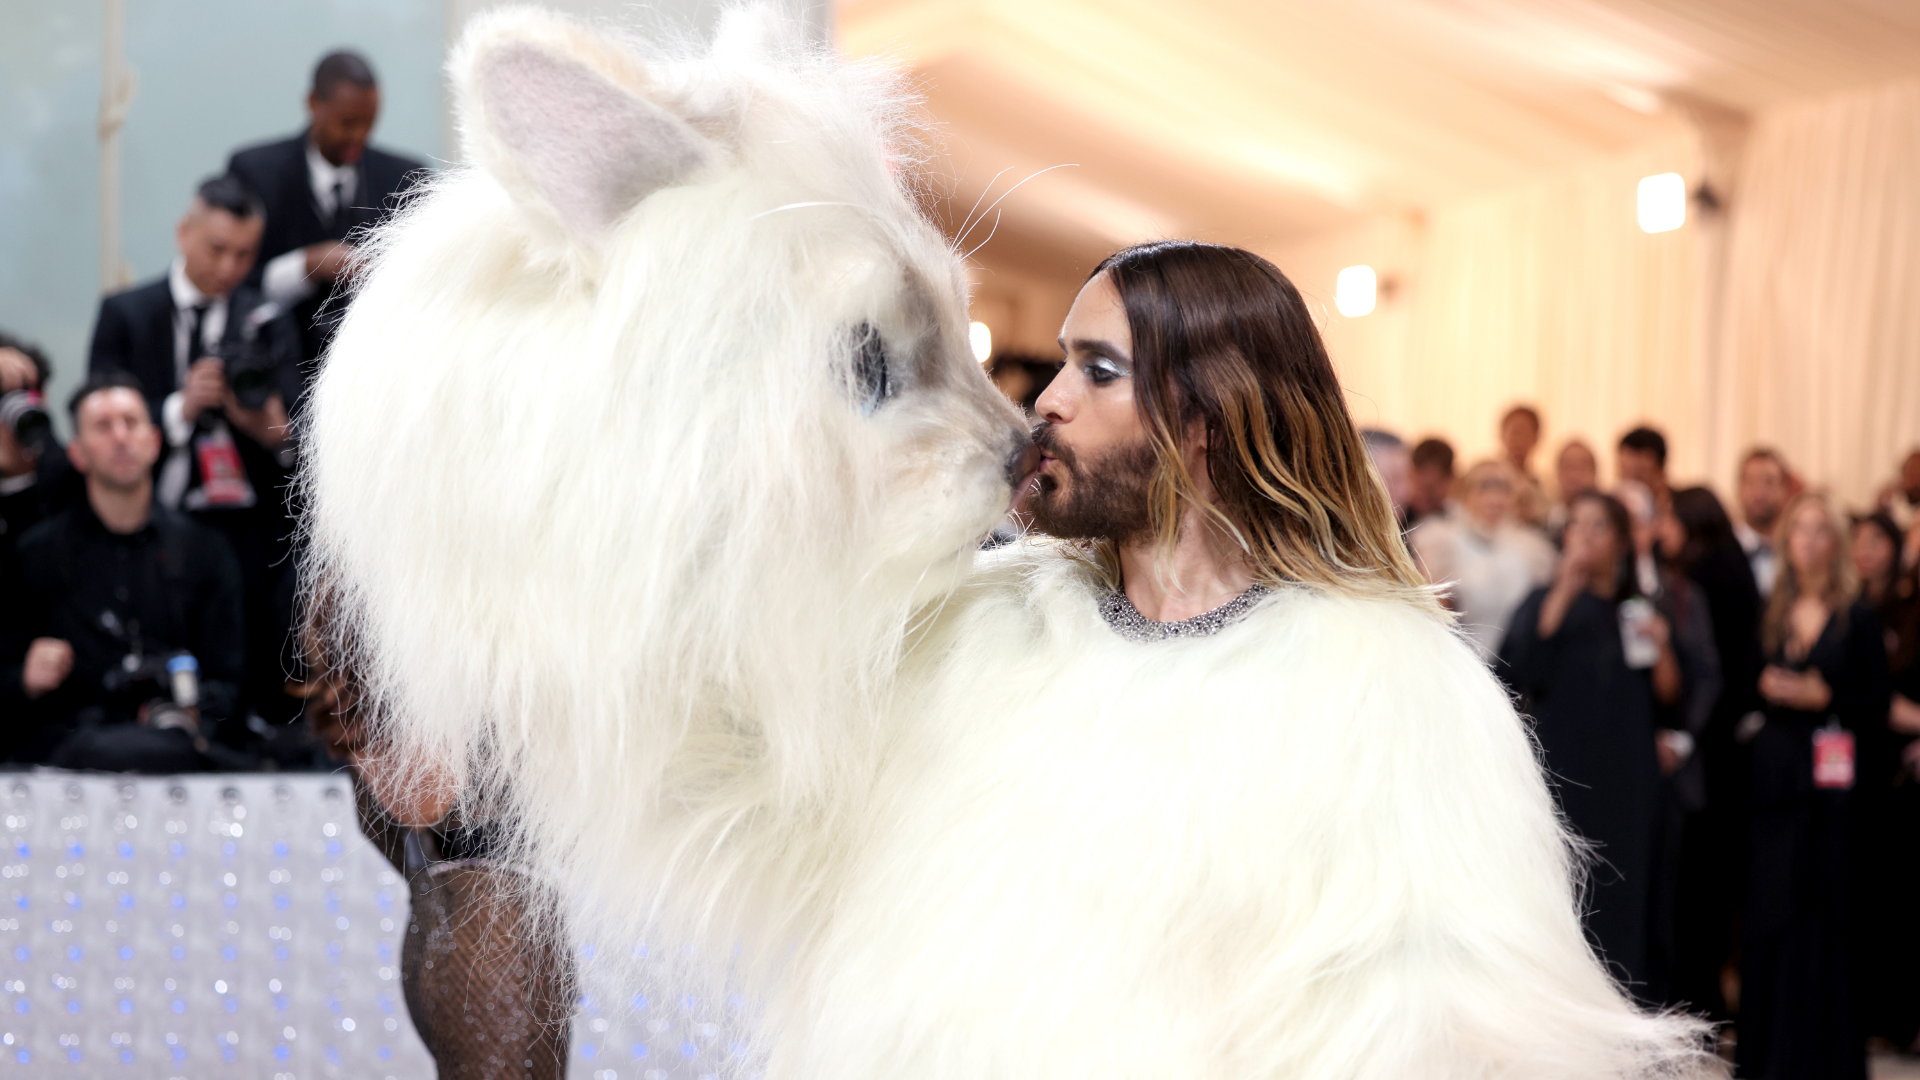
[645, 476]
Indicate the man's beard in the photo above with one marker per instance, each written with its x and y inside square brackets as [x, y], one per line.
[1107, 498]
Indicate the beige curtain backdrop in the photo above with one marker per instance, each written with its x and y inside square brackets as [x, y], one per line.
[1546, 293]
[1820, 336]
[1791, 319]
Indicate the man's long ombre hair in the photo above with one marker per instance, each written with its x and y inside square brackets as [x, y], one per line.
[1222, 339]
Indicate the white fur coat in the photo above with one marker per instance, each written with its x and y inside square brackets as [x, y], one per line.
[1316, 844]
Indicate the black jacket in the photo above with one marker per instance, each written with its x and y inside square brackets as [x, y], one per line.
[171, 586]
[56, 486]
[134, 334]
[277, 173]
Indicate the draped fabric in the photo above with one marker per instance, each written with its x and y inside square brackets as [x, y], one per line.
[1547, 292]
[1820, 336]
[1791, 318]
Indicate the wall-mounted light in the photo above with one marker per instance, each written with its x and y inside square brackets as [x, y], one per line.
[1663, 203]
[981, 338]
[1354, 290]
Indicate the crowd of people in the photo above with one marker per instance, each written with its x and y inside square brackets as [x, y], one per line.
[148, 565]
[1726, 703]
[1727, 707]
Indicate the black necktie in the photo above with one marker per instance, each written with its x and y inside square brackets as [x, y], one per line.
[339, 205]
[196, 318]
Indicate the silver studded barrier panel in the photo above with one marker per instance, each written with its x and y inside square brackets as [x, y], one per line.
[240, 926]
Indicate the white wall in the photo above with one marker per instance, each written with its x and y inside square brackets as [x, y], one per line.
[213, 75]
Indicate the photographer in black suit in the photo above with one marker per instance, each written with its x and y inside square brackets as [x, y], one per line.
[36, 480]
[318, 187]
[218, 364]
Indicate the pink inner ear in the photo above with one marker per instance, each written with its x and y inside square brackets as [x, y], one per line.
[593, 149]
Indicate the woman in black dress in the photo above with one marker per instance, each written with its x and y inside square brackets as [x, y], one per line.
[1826, 693]
[1887, 813]
[1566, 655]
[1713, 871]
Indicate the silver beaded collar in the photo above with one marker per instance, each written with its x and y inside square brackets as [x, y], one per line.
[1127, 621]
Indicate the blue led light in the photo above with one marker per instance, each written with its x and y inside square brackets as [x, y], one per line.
[307, 932]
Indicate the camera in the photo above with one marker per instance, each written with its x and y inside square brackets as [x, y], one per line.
[173, 680]
[24, 412]
[251, 361]
[250, 369]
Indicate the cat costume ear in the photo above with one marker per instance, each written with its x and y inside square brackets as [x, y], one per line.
[568, 122]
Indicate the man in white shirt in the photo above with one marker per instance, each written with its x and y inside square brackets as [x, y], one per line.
[319, 186]
[1765, 486]
[172, 334]
[1488, 562]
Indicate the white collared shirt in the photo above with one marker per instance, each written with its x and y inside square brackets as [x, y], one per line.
[1760, 556]
[323, 175]
[285, 279]
[213, 326]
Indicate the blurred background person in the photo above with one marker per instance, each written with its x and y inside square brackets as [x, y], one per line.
[1021, 377]
[1519, 435]
[107, 598]
[1874, 545]
[1711, 883]
[1901, 498]
[1682, 715]
[1642, 457]
[1827, 695]
[1888, 803]
[319, 186]
[218, 363]
[1487, 561]
[1388, 452]
[36, 480]
[1576, 471]
[1763, 488]
[1430, 495]
[1589, 658]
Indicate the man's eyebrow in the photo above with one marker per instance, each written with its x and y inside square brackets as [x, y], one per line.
[1095, 345]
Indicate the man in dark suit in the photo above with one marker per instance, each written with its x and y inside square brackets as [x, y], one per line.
[319, 186]
[36, 480]
[218, 364]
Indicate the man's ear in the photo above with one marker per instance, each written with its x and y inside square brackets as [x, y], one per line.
[567, 122]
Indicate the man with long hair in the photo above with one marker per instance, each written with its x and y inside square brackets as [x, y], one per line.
[1201, 781]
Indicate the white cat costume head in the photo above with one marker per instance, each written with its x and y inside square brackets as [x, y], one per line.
[642, 440]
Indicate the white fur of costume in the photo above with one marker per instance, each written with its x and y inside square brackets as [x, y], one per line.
[605, 514]
[1316, 844]
[618, 531]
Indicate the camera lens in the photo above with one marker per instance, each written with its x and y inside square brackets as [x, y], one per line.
[24, 414]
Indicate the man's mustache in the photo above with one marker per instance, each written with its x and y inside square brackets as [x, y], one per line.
[1048, 440]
